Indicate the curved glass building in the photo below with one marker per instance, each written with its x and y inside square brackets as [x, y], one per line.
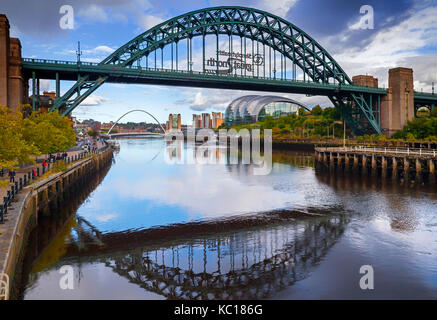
[253, 108]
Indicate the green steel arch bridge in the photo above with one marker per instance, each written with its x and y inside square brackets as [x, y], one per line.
[273, 54]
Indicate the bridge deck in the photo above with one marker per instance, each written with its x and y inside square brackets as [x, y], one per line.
[68, 70]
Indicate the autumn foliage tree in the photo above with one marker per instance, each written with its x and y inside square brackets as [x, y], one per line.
[49, 132]
[14, 148]
[23, 138]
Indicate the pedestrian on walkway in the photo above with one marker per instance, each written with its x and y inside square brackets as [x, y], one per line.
[44, 166]
[12, 175]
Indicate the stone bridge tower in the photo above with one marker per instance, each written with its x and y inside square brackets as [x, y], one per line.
[397, 107]
[13, 87]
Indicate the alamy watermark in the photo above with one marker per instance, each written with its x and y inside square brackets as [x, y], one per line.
[4, 286]
[367, 280]
[224, 147]
[67, 20]
[67, 280]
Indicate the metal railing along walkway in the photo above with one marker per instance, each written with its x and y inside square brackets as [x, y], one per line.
[388, 151]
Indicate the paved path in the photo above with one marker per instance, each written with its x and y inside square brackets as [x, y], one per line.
[23, 171]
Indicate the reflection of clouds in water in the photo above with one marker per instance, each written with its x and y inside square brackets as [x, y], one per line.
[391, 220]
[209, 191]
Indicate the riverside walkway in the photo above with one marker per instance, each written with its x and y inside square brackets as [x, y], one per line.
[22, 172]
[40, 197]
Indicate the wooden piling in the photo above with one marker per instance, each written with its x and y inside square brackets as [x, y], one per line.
[418, 170]
[384, 167]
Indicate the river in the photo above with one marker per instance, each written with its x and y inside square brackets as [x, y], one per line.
[155, 230]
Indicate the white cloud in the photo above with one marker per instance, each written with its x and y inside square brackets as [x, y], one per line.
[93, 13]
[44, 85]
[102, 49]
[398, 46]
[147, 21]
[106, 217]
[278, 7]
[94, 60]
[94, 100]
[197, 195]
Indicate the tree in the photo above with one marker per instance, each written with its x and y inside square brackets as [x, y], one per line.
[93, 133]
[49, 132]
[301, 111]
[317, 110]
[269, 122]
[14, 149]
[331, 113]
[434, 112]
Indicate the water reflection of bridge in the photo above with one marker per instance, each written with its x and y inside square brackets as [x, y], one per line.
[202, 261]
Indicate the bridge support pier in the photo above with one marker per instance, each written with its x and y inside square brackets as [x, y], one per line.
[13, 88]
[397, 107]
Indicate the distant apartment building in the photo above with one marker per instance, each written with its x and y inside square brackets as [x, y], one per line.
[197, 121]
[218, 118]
[208, 121]
[174, 122]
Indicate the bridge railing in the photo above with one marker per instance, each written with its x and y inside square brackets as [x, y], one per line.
[61, 62]
[375, 150]
[430, 94]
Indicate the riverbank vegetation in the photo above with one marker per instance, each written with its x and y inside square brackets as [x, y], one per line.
[317, 124]
[320, 124]
[27, 134]
[419, 129]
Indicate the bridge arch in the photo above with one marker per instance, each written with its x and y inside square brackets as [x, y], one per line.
[360, 110]
[257, 25]
[135, 110]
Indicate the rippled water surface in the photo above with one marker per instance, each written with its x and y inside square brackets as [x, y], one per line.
[154, 230]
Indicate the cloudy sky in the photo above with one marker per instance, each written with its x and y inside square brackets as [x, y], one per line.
[404, 34]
